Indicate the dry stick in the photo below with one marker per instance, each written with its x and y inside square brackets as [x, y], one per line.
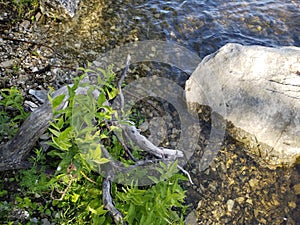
[118, 166]
[125, 147]
[108, 202]
[143, 143]
[122, 103]
[106, 190]
[186, 173]
[122, 80]
[133, 134]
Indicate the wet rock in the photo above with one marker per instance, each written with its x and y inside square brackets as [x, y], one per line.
[158, 129]
[261, 97]
[191, 218]
[59, 9]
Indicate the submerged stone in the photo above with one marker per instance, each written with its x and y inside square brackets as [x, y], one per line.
[60, 9]
[261, 95]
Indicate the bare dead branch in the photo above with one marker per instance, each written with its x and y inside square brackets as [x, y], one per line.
[133, 134]
[186, 173]
[108, 202]
[122, 80]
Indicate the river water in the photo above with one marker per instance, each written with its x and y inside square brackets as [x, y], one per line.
[202, 26]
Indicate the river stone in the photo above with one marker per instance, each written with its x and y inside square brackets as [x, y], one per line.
[261, 97]
[59, 9]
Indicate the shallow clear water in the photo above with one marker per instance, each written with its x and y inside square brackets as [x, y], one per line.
[202, 26]
[206, 25]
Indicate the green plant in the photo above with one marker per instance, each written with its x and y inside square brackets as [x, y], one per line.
[25, 6]
[12, 113]
[155, 205]
[75, 131]
[28, 201]
[72, 194]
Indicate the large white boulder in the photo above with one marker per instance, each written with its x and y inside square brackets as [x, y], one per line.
[257, 89]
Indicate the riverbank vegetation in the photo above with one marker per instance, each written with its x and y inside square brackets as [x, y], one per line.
[62, 186]
[21, 9]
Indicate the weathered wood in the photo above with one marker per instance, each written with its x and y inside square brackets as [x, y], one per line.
[143, 143]
[108, 202]
[13, 152]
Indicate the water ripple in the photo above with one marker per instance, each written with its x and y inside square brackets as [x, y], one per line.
[204, 26]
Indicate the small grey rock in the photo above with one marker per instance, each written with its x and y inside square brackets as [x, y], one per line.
[7, 64]
[40, 95]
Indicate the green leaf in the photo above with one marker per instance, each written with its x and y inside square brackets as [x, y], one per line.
[101, 161]
[101, 211]
[57, 100]
[54, 132]
[101, 99]
[154, 179]
[75, 197]
[61, 143]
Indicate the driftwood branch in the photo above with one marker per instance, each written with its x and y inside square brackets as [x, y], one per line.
[13, 152]
[133, 134]
[108, 202]
[122, 80]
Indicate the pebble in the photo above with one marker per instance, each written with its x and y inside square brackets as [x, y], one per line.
[191, 218]
[34, 69]
[253, 183]
[230, 204]
[38, 16]
[144, 126]
[34, 220]
[25, 24]
[7, 64]
[40, 95]
[292, 205]
[45, 221]
[297, 189]
[77, 45]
